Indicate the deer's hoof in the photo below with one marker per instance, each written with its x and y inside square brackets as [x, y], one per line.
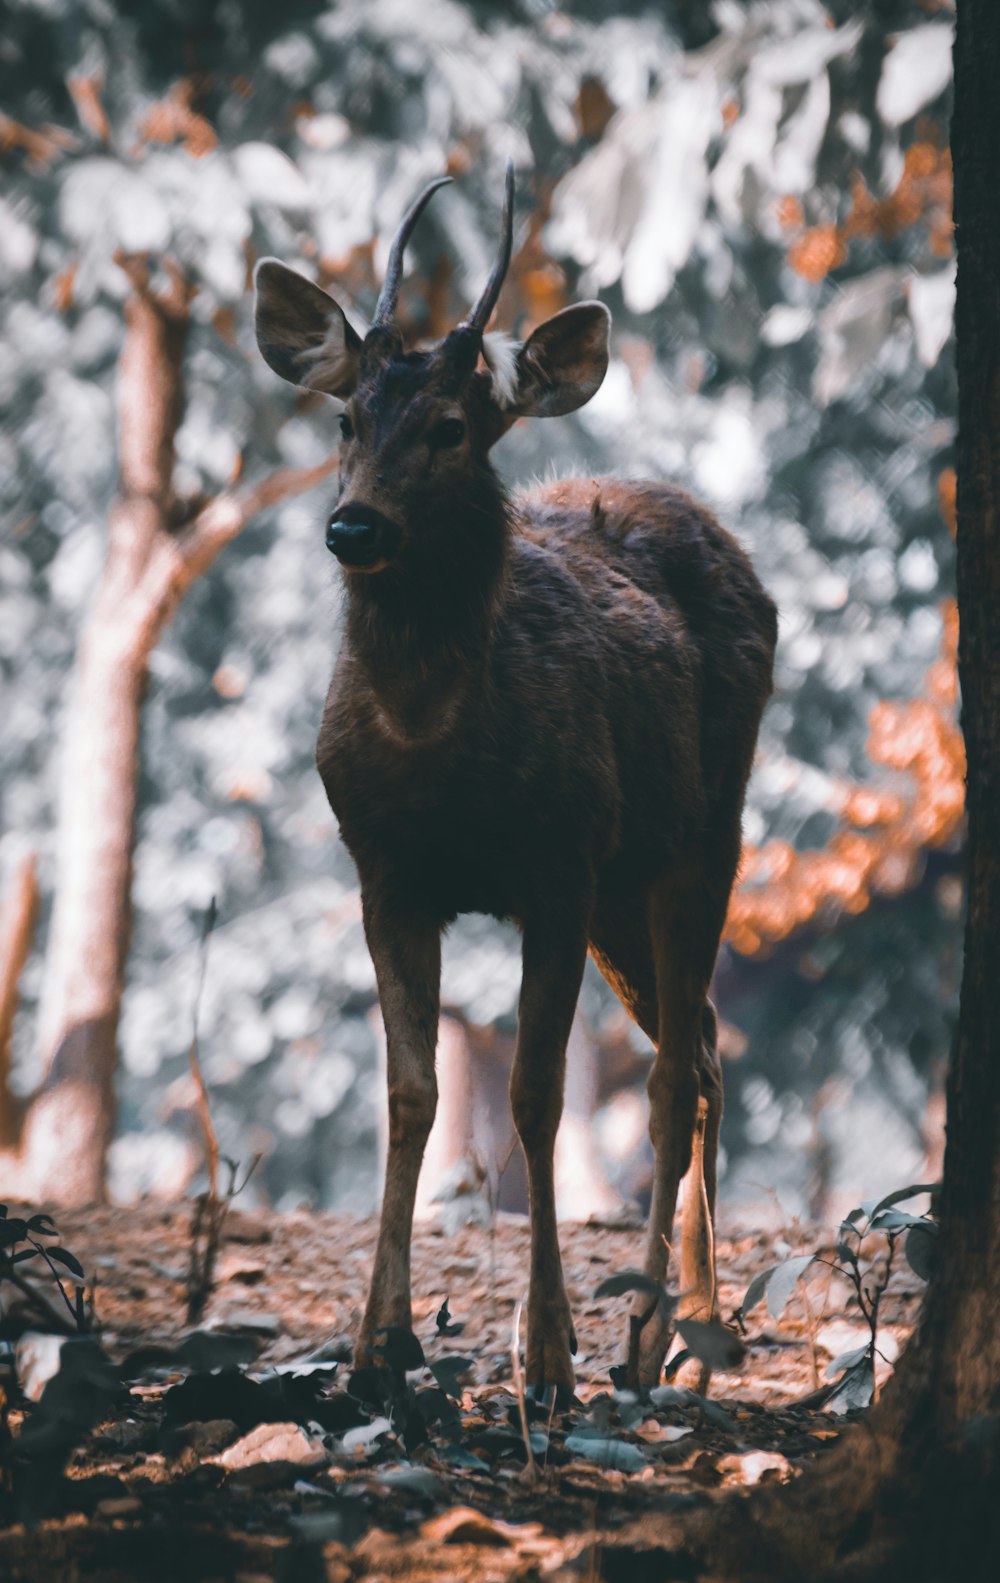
[549, 1363]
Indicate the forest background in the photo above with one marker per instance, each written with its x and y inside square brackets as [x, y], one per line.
[761, 194]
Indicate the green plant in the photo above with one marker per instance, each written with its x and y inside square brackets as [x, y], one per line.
[852, 1374]
[13, 1257]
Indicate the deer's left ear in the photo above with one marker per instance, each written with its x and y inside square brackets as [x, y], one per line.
[561, 365]
[302, 333]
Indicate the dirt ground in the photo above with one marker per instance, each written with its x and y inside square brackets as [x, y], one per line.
[238, 1453]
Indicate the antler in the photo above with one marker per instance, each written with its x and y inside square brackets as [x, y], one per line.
[479, 317]
[385, 308]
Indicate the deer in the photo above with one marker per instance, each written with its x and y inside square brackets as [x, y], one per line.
[545, 708]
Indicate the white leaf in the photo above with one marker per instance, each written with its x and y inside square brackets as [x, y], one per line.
[102, 200]
[268, 176]
[854, 325]
[794, 167]
[803, 55]
[785, 324]
[18, 240]
[632, 208]
[783, 1283]
[365, 1435]
[346, 183]
[846, 1360]
[325, 131]
[932, 310]
[676, 191]
[916, 70]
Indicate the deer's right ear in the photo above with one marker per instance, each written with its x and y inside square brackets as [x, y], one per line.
[302, 333]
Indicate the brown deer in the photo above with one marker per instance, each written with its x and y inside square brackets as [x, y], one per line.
[544, 708]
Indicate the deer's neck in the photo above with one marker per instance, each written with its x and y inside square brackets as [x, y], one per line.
[420, 632]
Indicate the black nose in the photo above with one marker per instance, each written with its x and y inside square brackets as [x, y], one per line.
[353, 543]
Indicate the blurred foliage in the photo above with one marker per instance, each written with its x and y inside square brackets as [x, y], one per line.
[761, 194]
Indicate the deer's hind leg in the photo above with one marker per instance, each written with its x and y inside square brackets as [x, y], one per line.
[621, 946]
[658, 954]
[697, 1271]
[686, 915]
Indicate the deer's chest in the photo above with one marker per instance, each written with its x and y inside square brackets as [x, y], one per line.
[480, 832]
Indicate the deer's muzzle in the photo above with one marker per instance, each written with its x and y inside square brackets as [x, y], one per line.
[363, 540]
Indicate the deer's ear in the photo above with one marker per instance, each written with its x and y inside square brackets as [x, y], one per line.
[302, 333]
[561, 365]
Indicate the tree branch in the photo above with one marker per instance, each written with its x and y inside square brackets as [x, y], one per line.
[180, 559]
[151, 385]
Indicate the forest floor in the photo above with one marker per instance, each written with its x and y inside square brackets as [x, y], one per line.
[233, 1451]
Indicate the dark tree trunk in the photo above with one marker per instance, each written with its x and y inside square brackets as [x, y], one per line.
[960, 1337]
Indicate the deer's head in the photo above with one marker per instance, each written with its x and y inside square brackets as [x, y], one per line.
[418, 425]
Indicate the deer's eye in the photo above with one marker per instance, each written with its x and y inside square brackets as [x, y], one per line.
[346, 426]
[448, 433]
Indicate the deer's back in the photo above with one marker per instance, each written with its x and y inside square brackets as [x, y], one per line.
[668, 584]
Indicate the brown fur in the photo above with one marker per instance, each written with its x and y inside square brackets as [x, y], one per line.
[579, 767]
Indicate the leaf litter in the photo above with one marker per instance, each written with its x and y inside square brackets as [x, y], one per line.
[266, 1438]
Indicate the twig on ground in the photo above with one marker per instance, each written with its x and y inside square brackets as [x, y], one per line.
[531, 1468]
[810, 1333]
[202, 1107]
[211, 1207]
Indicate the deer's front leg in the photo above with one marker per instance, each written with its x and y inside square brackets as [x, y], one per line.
[553, 958]
[406, 951]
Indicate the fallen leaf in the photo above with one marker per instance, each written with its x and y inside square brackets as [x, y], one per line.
[750, 1467]
[463, 1525]
[273, 1443]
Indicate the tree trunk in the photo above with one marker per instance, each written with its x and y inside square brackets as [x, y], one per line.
[71, 1121]
[959, 1344]
[950, 1376]
[582, 1189]
[16, 935]
[67, 1130]
[450, 1142]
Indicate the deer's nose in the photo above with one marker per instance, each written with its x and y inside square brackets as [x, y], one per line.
[353, 543]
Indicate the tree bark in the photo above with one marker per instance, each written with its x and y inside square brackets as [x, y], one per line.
[153, 556]
[16, 935]
[950, 1375]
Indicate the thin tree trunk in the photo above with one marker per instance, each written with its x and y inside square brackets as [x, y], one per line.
[16, 935]
[582, 1188]
[450, 1140]
[71, 1122]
